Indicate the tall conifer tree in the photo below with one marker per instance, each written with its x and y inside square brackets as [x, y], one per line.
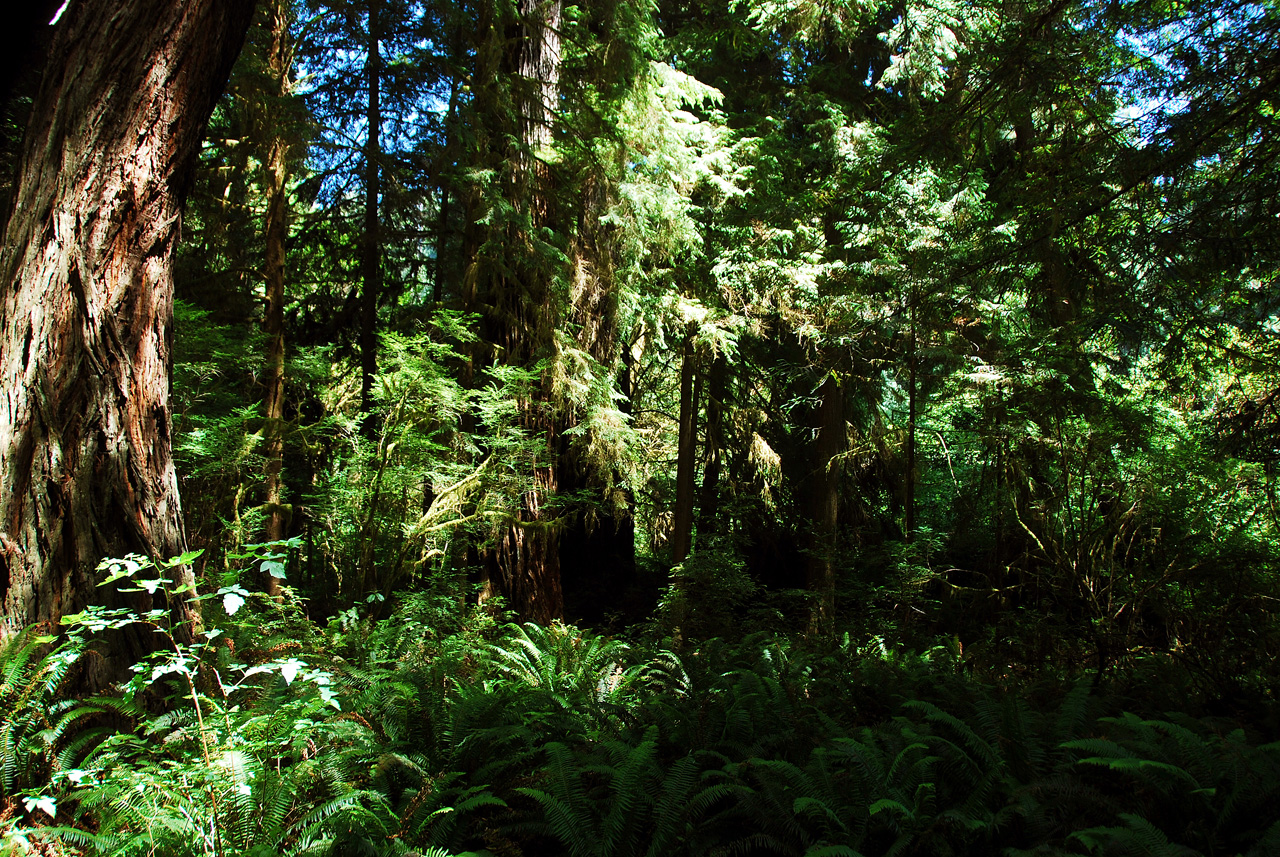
[85, 429]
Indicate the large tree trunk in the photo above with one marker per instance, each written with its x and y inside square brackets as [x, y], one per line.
[554, 542]
[515, 293]
[537, 73]
[276, 229]
[88, 299]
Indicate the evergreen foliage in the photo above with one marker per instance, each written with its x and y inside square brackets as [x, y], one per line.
[875, 404]
[481, 736]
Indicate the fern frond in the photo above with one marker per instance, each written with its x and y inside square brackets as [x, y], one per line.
[1268, 843]
[831, 851]
[628, 792]
[1137, 836]
[974, 746]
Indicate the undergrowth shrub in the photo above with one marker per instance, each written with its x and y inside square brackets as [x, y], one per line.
[430, 726]
[44, 734]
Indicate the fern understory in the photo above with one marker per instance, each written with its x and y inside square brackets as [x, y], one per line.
[444, 731]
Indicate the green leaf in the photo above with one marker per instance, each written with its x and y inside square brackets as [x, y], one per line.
[891, 805]
[185, 559]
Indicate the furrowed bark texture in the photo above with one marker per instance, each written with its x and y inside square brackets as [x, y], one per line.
[515, 293]
[276, 229]
[558, 553]
[88, 296]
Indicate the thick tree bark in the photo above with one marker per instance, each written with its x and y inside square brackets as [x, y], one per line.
[516, 294]
[371, 261]
[276, 230]
[537, 70]
[825, 503]
[686, 451]
[552, 543]
[88, 299]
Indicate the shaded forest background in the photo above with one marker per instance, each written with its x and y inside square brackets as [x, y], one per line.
[753, 427]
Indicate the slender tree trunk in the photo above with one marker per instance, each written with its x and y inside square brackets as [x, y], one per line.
[910, 516]
[276, 229]
[998, 549]
[825, 503]
[686, 452]
[85, 355]
[717, 390]
[442, 220]
[446, 174]
[371, 262]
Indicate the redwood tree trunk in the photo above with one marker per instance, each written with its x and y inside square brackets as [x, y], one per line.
[537, 71]
[516, 294]
[276, 229]
[88, 299]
